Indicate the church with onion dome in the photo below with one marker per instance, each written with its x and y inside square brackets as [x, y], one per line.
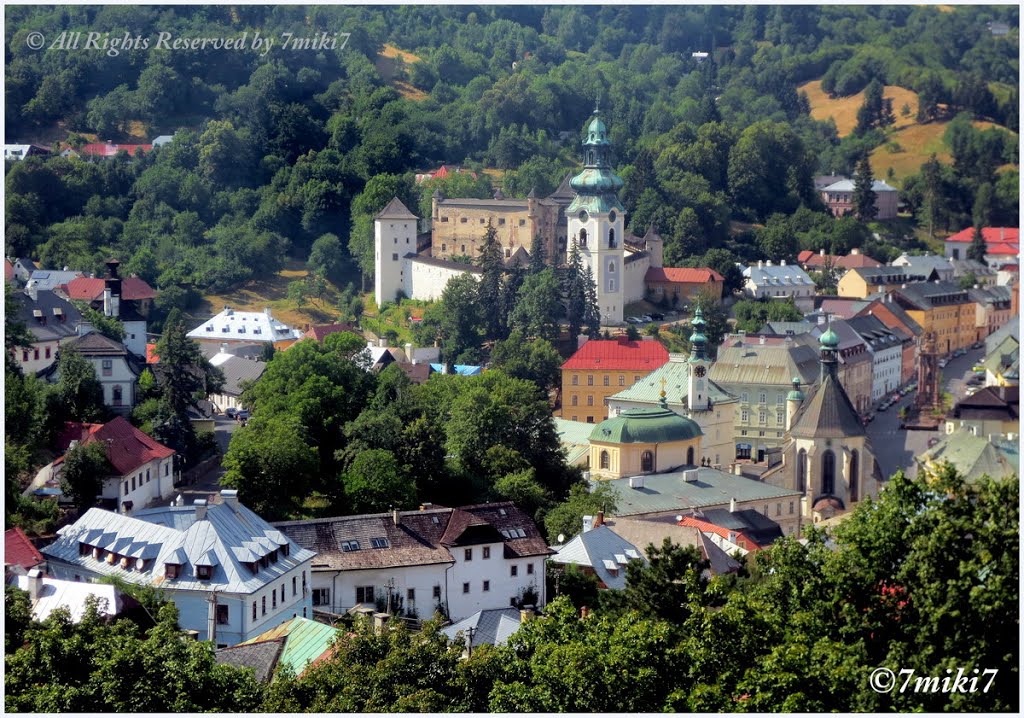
[826, 454]
[584, 211]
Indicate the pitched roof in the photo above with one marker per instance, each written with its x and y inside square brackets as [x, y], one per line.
[395, 210]
[848, 185]
[757, 528]
[95, 344]
[106, 149]
[645, 533]
[740, 363]
[231, 534]
[925, 295]
[618, 354]
[127, 447]
[700, 275]
[777, 275]
[991, 235]
[91, 289]
[874, 332]
[19, 551]
[47, 315]
[891, 315]
[603, 551]
[847, 261]
[677, 387]
[254, 327]
[304, 642]
[574, 437]
[260, 656]
[72, 595]
[995, 403]
[924, 264]
[491, 627]
[417, 373]
[8, 270]
[827, 414]
[320, 331]
[237, 370]
[346, 543]
[974, 456]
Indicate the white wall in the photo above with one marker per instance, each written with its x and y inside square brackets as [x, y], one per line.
[426, 282]
[160, 485]
[35, 358]
[342, 585]
[885, 371]
[393, 239]
[634, 275]
[135, 337]
[120, 375]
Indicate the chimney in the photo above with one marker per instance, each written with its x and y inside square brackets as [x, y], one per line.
[35, 584]
[179, 501]
[821, 252]
[737, 469]
[761, 339]
[760, 263]
[855, 250]
[379, 622]
[426, 505]
[732, 506]
[230, 498]
[732, 537]
[636, 482]
[782, 263]
[200, 505]
[408, 353]
[211, 618]
[526, 615]
[588, 523]
[395, 517]
[599, 519]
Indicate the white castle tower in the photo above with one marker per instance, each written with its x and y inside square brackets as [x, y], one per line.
[597, 222]
[394, 236]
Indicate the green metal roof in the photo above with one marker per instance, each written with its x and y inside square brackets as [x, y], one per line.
[646, 426]
[974, 456]
[829, 339]
[304, 641]
[677, 377]
[575, 438]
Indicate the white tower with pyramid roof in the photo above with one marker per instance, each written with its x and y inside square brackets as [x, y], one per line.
[394, 236]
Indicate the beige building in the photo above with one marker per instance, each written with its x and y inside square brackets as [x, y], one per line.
[861, 282]
[643, 441]
[601, 368]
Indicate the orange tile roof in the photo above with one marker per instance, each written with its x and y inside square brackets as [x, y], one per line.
[151, 356]
[700, 275]
[18, 550]
[617, 354]
[127, 447]
[990, 234]
[849, 261]
[742, 539]
[319, 331]
[102, 149]
[90, 289]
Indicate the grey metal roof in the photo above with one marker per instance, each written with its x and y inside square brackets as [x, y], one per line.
[47, 315]
[677, 377]
[962, 267]
[924, 264]
[755, 524]
[261, 657]
[492, 627]
[395, 210]
[827, 414]
[848, 185]
[777, 275]
[925, 295]
[236, 370]
[991, 295]
[874, 332]
[784, 328]
[602, 550]
[764, 365]
[664, 493]
[175, 536]
[47, 279]
[653, 532]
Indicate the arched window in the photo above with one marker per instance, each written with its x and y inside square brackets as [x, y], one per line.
[605, 460]
[117, 395]
[583, 238]
[611, 267]
[689, 456]
[854, 476]
[801, 471]
[828, 473]
[647, 461]
[611, 239]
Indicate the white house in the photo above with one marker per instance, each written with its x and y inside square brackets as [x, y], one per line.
[886, 354]
[233, 327]
[236, 370]
[930, 266]
[117, 369]
[143, 467]
[48, 594]
[458, 561]
[230, 573]
[779, 281]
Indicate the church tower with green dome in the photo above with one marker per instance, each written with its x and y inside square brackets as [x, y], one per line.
[697, 396]
[596, 221]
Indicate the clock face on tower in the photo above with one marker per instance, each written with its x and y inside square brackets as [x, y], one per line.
[700, 372]
[583, 215]
[611, 216]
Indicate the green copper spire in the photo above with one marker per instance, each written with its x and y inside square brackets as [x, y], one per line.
[597, 185]
[698, 341]
[829, 342]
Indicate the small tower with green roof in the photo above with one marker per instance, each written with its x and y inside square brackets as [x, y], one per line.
[697, 397]
[596, 221]
[793, 401]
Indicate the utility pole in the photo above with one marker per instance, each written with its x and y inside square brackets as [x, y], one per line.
[469, 645]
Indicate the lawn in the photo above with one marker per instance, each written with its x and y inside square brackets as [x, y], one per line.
[843, 110]
[386, 65]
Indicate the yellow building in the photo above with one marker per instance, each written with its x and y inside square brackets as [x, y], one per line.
[943, 308]
[643, 441]
[601, 368]
[861, 282]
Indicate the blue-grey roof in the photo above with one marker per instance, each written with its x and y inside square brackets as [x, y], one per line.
[261, 657]
[848, 185]
[924, 264]
[51, 278]
[602, 550]
[226, 539]
[671, 492]
[784, 328]
[492, 626]
[778, 275]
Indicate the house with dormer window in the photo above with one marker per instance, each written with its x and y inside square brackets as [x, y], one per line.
[231, 574]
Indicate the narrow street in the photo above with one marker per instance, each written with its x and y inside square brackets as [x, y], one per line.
[210, 482]
[896, 448]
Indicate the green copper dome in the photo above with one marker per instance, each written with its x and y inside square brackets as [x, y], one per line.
[646, 426]
[829, 340]
[795, 394]
[597, 186]
[597, 133]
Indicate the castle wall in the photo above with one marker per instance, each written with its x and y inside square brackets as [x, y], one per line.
[426, 281]
[458, 226]
[633, 280]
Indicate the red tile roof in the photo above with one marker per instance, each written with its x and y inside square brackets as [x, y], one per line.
[1002, 248]
[742, 539]
[849, 261]
[90, 289]
[151, 356]
[319, 331]
[19, 551]
[8, 270]
[701, 275]
[102, 149]
[618, 354]
[127, 447]
[990, 234]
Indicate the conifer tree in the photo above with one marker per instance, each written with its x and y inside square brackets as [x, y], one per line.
[493, 266]
[538, 256]
[575, 292]
[864, 198]
[977, 249]
[591, 314]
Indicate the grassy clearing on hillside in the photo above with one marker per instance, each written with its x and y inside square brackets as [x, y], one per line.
[843, 110]
[259, 294]
[386, 64]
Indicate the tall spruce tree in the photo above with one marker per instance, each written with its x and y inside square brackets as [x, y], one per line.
[931, 173]
[591, 314]
[575, 292]
[493, 265]
[976, 250]
[864, 198]
[538, 256]
[872, 112]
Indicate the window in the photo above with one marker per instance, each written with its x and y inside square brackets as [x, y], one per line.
[254, 610]
[463, 249]
[222, 614]
[575, 380]
[622, 380]
[394, 256]
[743, 397]
[605, 463]
[779, 398]
[482, 220]
[590, 380]
[828, 473]
[792, 505]
[133, 483]
[611, 241]
[854, 476]
[611, 267]
[463, 220]
[487, 552]
[295, 591]
[514, 571]
[410, 594]
[778, 509]
[379, 542]
[273, 598]
[801, 471]
[264, 602]
[147, 476]
[469, 554]
[583, 238]
[465, 587]
[487, 586]
[607, 380]
[35, 354]
[762, 416]
[321, 596]
[437, 592]
[347, 546]
[522, 223]
[611, 285]
[364, 594]
[171, 570]
[646, 462]
[780, 416]
[444, 219]
[529, 569]
[689, 456]
[167, 468]
[764, 397]
[125, 488]
[744, 416]
[203, 573]
[590, 400]
[47, 352]
[575, 400]
[108, 367]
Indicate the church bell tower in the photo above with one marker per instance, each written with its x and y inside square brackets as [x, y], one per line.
[697, 389]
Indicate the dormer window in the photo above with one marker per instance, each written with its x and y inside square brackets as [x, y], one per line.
[284, 550]
[84, 549]
[347, 546]
[172, 570]
[203, 573]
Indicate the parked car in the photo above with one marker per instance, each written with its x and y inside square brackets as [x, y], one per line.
[977, 345]
[657, 316]
[230, 412]
[243, 415]
[634, 320]
[959, 353]
[884, 406]
[943, 363]
[647, 318]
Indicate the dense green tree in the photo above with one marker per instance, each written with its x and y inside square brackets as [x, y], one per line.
[864, 197]
[537, 360]
[376, 482]
[567, 518]
[538, 307]
[84, 469]
[326, 256]
[977, 249]
[776, 239]
[79, 393]
[460, 317]
[872, 113]
[492, 267]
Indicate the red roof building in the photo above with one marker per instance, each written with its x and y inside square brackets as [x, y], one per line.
[818, 260]
[19, 551]
[738, 538]
[8, 270]
[616, 354]
[1002, 244]
[91, 289]
[318, 332]
[107, 149]
[601, 368]
[681, 284]
[128, 449]
[151, 356]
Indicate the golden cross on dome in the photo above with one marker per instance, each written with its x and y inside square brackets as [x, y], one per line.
[663, 387]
